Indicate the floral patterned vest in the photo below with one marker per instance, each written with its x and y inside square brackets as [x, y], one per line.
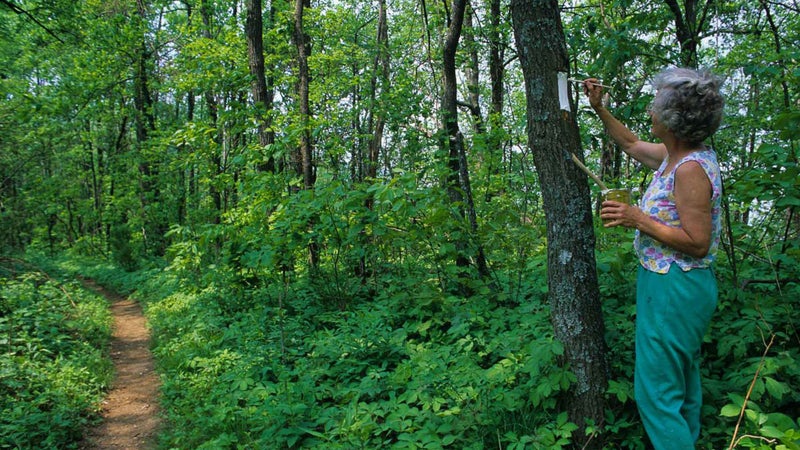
[659, 203]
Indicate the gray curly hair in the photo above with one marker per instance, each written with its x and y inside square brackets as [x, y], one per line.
[688, 103]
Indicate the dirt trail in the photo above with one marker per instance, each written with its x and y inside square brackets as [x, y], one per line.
[130, 412]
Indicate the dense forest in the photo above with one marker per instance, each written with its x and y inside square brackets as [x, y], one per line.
[356, 224]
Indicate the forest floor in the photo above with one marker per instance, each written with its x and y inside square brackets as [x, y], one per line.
[130, 415]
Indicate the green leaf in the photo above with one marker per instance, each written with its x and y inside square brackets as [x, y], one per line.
[776, 388]
[787, 202]
[314, 433]
[730, 410]
[771, 432]
[789, 125]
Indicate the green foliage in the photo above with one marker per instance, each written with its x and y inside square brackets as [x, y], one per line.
[287, 364]
[752, 354]
[369, 348]
[53, 366]
[422, 370]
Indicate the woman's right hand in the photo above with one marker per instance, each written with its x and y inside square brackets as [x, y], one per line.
[593, 90]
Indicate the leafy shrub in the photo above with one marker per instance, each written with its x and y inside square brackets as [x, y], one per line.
[53, 367]
[754, 373]
[257, 350]
[410, 368]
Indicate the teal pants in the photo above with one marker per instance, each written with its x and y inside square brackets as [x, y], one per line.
[673, 312]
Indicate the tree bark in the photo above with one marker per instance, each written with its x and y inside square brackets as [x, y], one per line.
[473, 75]
[473, 86]
[262, 96]
[213, 106]
[185, 183]
[458, 184]
[150, 196]
[378, 83]
[495, 153]
[303, 80]
[496, 53]
[376, 122]
[572, 278]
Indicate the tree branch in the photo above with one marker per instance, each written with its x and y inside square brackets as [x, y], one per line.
[472, 109]
[734, 442]
[704, 15]
[784, 5]
[779, 282]
[15, 8]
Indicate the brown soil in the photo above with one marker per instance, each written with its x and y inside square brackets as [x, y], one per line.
[130, 412]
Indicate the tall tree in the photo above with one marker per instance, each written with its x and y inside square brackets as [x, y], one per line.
[780, 58]
[155, 222]
[473, 71]
[497, 46]
[263, 94]
[206, 13]
[458, 184]
[495, 141]
[379, 81]
[572, 279]
[303, 46]
[305, 163]
[186, 179]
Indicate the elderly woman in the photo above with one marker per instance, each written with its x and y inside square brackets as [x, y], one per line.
[677, 233]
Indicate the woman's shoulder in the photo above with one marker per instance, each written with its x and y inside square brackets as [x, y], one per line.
[705, 157]
[705, 163]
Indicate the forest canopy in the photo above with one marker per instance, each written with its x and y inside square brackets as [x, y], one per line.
[344, 225]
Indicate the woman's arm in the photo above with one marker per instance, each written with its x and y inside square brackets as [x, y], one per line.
[648, 153]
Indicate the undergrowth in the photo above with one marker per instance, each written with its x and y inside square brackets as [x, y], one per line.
[284, 359]
[280, 365]
[54, 365]
[421, 370]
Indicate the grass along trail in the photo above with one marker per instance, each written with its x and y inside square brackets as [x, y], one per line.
[130, 412]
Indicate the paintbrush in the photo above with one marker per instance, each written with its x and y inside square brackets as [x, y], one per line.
[591, 82]
[588, 172]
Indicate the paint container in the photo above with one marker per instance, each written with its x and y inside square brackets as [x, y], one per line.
[616, 195]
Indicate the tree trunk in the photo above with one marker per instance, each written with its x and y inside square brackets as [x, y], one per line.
[376, 123]
[187, 176]
[572, 278]
[473, 75]
[688, 27]
[213, 106]
[496, 53]
[473, 86]
[150, 196]
[792, 219]
[262, 96]
[494, 153]
[303, 80]
[95, 169]
[458, 185]
[378, 83]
